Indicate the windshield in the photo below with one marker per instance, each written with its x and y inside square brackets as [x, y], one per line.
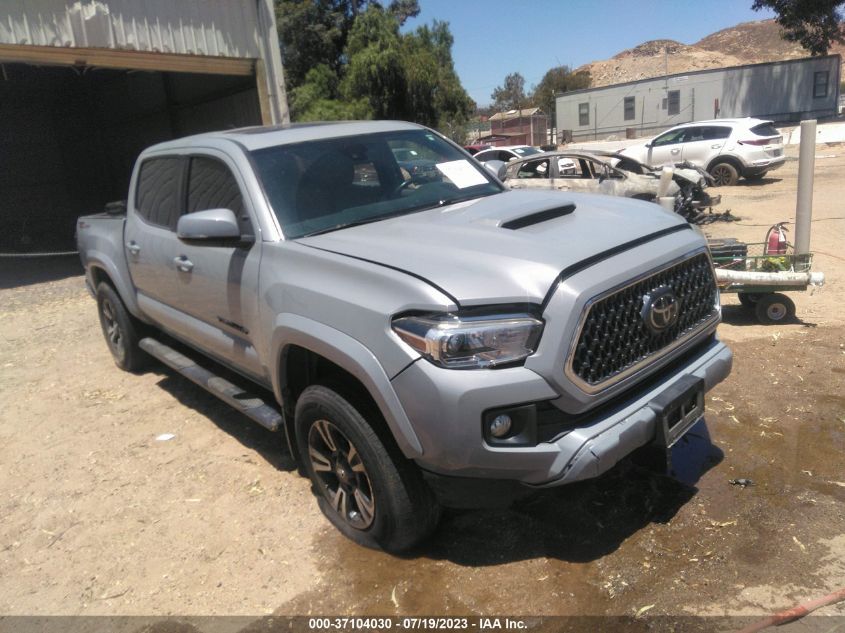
[526, 151]
[326, 185]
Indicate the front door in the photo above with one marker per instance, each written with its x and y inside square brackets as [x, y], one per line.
[666, 149]
[216, 283]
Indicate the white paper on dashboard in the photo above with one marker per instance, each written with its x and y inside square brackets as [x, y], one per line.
[461, 173]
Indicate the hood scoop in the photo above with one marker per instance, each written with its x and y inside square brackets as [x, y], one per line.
[537, 217]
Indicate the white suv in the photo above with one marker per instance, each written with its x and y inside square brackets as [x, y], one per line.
[727, 148]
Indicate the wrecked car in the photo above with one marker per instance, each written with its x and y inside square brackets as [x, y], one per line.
[612, 174]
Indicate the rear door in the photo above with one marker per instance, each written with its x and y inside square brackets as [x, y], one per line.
[703, 142]
[149, 239]
[216, 282]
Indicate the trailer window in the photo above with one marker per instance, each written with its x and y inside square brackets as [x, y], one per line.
[630, 113]
[158, 191]
[583, 114]
[674, 102]
[820, 84]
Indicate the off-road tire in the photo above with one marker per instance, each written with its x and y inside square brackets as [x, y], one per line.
[724, 174]
[120, 329]
[774, 308]
[406, 511]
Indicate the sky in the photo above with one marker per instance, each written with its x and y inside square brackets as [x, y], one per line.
[497, 37]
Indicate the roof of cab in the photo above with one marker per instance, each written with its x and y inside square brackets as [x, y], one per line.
[258, 137]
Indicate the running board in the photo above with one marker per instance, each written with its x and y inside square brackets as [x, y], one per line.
[250, 405]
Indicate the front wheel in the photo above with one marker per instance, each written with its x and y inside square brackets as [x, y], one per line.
[364, 486]
[724, 175]
[774, 308]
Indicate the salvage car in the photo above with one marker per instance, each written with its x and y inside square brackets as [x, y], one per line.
[417, 344]
[506, 153]
[728, 149]
[611, 174]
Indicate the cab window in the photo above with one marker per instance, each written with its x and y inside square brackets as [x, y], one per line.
[212, 185]
[669, 138]
[157, 195]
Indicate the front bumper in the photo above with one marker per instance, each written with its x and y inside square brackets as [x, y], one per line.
[446, 408]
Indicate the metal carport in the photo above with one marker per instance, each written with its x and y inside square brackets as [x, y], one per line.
[87, 84]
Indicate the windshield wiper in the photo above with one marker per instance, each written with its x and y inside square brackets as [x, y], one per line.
[456, 199]
[346, 225]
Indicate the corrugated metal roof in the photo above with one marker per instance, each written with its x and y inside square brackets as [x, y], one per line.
[224, 28]
[513, 114]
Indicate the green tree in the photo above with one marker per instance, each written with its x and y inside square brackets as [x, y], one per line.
[557, 81]
[316, 31]
[311, 33]
[317, 99]
[511, 94]
[404, 9]
[435, 95]
[375, 71]
[353, 62]
[815, 24]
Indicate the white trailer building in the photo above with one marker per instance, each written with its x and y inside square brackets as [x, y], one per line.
[85, 85]
[781, 91]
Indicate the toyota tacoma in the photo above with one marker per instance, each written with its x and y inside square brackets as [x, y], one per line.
[411, 337]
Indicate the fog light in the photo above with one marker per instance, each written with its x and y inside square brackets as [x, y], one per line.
[500, 425]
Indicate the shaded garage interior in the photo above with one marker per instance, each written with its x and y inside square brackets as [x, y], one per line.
[69, 136]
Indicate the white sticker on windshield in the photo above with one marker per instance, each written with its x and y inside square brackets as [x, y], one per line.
[461, 173]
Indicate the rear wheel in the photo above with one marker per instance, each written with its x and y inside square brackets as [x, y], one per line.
[120, 329]
[724, 174]
[364, 486]
[774, 308]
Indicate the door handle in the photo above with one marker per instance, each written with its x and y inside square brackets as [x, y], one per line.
[133, 247]
[183, 263]
[716, 146]
[675, 151]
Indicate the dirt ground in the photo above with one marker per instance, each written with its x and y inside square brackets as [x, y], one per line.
[98, 516]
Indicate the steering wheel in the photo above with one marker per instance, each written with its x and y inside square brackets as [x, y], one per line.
[402, 186]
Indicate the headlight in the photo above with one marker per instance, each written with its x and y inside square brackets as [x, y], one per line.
[469, 342]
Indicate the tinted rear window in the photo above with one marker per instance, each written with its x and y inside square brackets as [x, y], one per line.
[158, 191]
[765, 129]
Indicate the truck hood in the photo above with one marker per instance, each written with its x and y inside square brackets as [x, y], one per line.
[508, 247]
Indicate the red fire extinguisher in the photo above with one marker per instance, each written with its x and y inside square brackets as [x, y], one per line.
[776, 239]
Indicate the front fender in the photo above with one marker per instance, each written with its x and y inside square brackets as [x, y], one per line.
[352, 356]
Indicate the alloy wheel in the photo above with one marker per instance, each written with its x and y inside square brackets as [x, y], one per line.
[721, 175]
[112, 328]
[340, 470]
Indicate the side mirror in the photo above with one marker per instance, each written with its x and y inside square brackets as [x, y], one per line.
[496, 167]
[213, 224]
[648, 145]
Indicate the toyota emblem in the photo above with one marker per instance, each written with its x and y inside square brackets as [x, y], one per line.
[660, 309]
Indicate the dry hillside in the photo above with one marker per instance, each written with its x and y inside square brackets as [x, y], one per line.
[746, 43]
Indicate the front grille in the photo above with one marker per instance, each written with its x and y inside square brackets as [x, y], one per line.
[614, 339]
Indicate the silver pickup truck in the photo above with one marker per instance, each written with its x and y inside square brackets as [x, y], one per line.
[417, 332]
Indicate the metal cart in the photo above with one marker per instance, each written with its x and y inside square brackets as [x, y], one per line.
[759, 272]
